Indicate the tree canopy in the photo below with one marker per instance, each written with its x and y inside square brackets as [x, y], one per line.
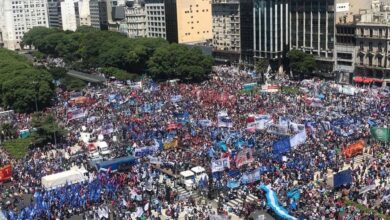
[21, 84]
[301, 62]
[46, 129]
[91, 48]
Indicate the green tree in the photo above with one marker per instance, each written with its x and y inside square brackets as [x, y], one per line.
[46, 129]
[261, 67]
[22, 85]
[8, 131]
[178, 61]
[301, 63]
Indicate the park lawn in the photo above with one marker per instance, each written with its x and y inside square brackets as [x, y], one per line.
[17, 148]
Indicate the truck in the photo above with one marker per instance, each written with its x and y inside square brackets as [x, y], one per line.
[187, 179]
[200, 173]
[72, 176]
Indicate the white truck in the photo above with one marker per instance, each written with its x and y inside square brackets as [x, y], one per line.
[187, 179]
[200, 173]
[72, 176]
[190, 178]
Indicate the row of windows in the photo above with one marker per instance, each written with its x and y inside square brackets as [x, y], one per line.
[204, 10]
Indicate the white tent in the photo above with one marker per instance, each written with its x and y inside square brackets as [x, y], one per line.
[72, 176]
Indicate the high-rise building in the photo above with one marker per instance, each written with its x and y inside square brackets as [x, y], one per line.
[271, 30]
[136, 20]
[54, 12]
[312, 26]
[98, 11]
[226, 30]
[84, 13]
[70, 15]
[155, 18]
[188, 21]
[19, 16]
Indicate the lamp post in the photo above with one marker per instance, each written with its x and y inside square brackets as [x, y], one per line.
[35, 83]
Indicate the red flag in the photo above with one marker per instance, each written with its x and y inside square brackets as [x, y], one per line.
[5, 173]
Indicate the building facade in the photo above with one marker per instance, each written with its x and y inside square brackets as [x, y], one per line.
[84, 12]
[226, 30]
[271, 30]
[155, 18]
[19, 16]
[54, 13]
[188, 21]
[136, 20]
[98, 11]
[373, 57]
[70, 15]
[312, 26]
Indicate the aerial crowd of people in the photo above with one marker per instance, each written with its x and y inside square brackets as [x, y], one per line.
[170, 127]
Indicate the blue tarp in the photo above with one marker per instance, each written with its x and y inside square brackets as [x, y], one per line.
[116, 163]
[342, 178]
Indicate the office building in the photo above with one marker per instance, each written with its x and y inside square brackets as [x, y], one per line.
[372, 32]
[226, 30]
[136, 20]
[84, 12]
[98, 10]
[70, 15]
[312, 30]
[19, 16]
[271, 30]
[155, 18]
[188, 21]
[54, 12]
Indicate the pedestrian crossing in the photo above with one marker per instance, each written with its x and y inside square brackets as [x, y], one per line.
[238, 202]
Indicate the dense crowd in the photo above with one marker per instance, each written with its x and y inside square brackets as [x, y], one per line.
[130, 117]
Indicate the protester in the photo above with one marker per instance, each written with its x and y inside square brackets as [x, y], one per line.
[296, 141]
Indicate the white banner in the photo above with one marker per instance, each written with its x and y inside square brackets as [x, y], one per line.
[220, 165]
[298, 139]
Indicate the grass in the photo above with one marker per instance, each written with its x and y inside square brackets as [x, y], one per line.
[17, 148]
[365, 209]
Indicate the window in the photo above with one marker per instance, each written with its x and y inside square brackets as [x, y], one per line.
[379, 61]
[371, 32]
[370, 46]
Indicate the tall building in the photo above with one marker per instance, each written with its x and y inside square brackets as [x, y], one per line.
[312, 30]
[188, 21]
[84, 12]
[271, 30]
[226, 30]
[98, 11]
[54, 12]
[70, 15]
[17, 17]
[155, 18]
[136, 20]
[246, 29]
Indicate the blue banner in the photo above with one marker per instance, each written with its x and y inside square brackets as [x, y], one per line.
[281, 146]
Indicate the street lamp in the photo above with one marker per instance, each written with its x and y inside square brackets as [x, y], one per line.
[35, 83]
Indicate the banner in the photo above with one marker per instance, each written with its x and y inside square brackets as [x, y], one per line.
[277, 129]
[342, 178]
[283, 121]
[147, 150]
[205, 122]
[381, 134]
[220, 165]
[281, 146]
[5, 173]
[136, 85]
[353, 149]
[244, 157]
[171, 144]
[76, 113]
[259, 122]
[224, 120]
[298, 139]
[249, 86]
